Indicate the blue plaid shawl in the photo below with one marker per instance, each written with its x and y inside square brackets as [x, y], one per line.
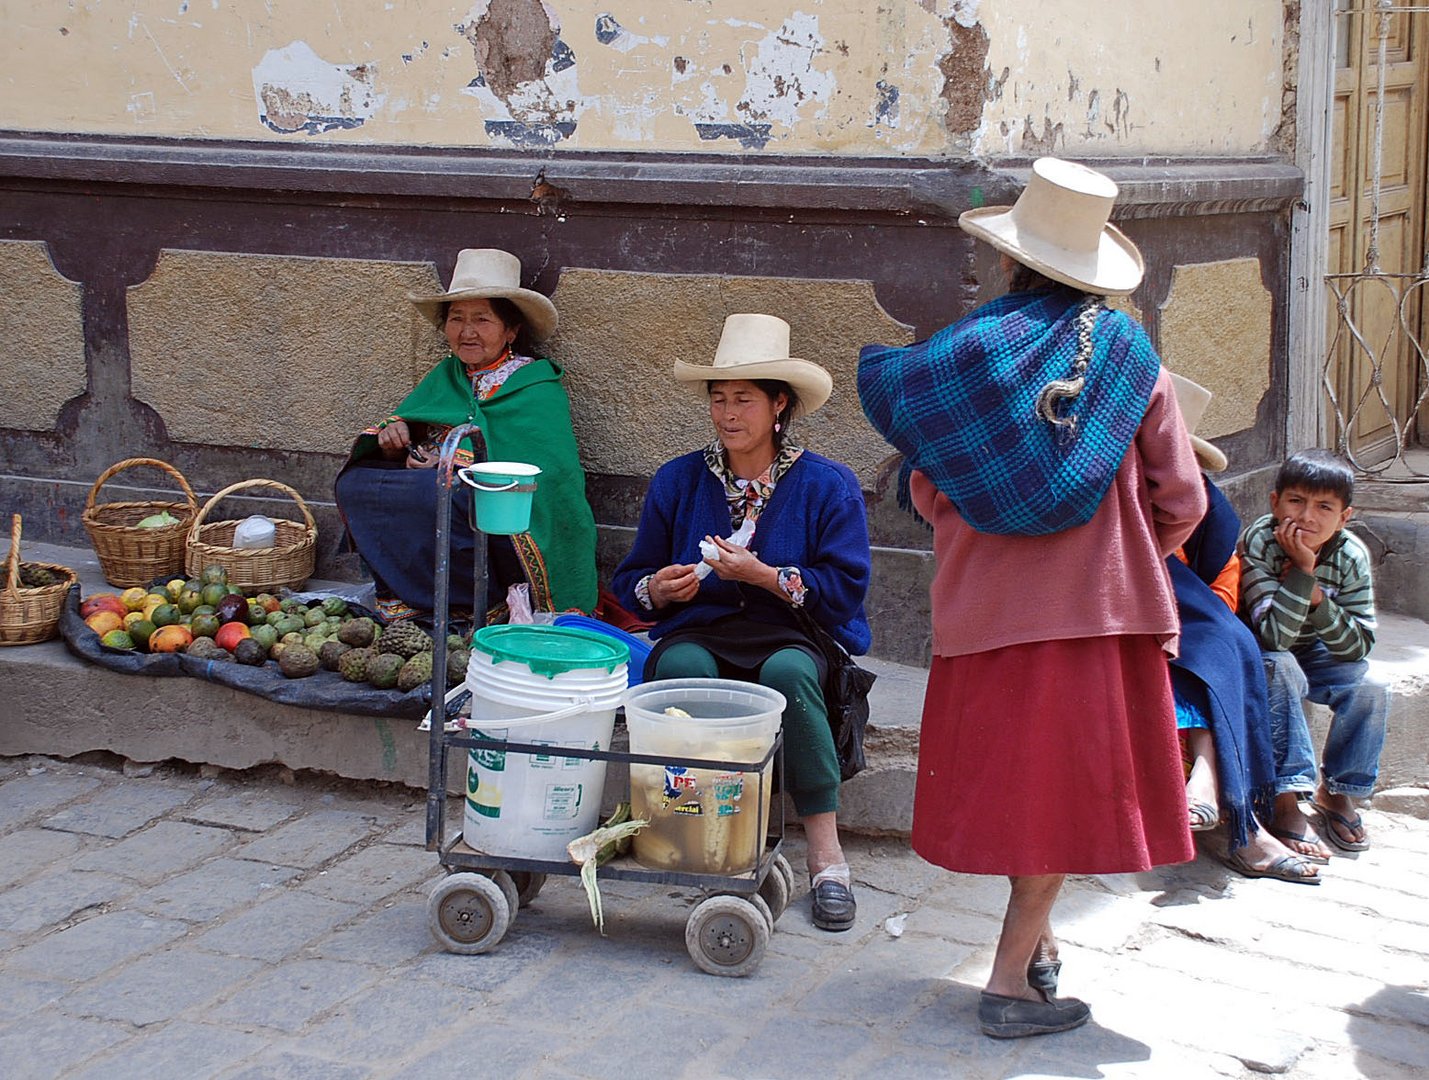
[961, 407]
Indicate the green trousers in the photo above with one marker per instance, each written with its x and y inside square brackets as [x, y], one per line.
[811, 765]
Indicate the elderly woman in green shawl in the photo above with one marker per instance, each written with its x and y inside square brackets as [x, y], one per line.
[388, 490]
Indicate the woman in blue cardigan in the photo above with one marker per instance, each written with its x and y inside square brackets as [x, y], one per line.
[722, 609]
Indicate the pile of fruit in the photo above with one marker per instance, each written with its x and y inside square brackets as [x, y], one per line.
[208, 618]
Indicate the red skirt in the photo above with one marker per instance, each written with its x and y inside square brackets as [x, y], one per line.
[1054, 757]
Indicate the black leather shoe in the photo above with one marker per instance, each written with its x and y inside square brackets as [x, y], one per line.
[833, 905]
[1016, 1018]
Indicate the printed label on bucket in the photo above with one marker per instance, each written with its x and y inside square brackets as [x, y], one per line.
[563, 801]
[495, 760]
[483, 798]
[550, 761]
[728, 790]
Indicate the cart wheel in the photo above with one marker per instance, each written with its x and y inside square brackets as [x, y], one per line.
[775, 892]
[763, 906]
[727, 935]
[782, 865]
[507, 884]
[528, 885]
[468, 913]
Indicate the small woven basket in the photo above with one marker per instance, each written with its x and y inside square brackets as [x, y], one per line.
[29, 615]
[129, 555]
[289, 562]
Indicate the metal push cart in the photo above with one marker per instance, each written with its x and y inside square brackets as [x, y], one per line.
[470, 911]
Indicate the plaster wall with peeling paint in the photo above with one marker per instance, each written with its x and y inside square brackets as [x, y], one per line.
[929, 78]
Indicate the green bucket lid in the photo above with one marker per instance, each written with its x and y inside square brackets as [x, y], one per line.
[551, 650]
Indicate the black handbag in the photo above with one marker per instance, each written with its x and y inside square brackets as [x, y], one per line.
[845, 696]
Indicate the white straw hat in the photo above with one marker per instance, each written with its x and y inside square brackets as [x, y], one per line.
[757, 347]
[1192, 399]
[487, 273]
[1059, 227]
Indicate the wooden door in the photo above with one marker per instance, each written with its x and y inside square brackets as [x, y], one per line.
[1383, 315]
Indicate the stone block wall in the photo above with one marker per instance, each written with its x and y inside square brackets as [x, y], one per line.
[243, 314]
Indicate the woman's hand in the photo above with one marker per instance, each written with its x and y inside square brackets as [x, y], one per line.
[394, 439]
[417, 458]
[740, 564]
[673, 585]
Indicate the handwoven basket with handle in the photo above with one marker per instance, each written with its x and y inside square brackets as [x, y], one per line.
[129, 555]
[289, 562]
[28, 615]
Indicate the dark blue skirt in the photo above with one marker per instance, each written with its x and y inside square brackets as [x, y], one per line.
[391, 516]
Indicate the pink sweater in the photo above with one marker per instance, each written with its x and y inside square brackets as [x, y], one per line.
[1105, 577]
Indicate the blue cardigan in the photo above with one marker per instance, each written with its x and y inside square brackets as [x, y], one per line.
[815, 520]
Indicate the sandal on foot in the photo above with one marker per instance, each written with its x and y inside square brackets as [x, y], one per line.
[1204, 816]
[1286, 836]
[1016, 1018]
[1042, 975]
[1353, 825]
[1292, 868]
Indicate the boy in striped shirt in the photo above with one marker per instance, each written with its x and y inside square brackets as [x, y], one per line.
[1307, 594]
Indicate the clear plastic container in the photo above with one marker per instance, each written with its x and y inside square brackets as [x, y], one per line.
[703, 821]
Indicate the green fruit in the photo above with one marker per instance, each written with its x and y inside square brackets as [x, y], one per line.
[457, 661]
[214, 574]
[353, 665]
[157, 521]
[204, 625]
[314, 616]
[314, 640]
[294, 637]
[139, 630]
[213, 593]
[166, 615]
[117, 639]
[405, 639]
[334, 605]
[415, 672]
[204, 609]
[189, 599]
[265, 635]
[273, 618]
[382, 672]
[289, 624]
[257, 614]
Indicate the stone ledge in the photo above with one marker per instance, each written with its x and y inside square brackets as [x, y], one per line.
[62, 706]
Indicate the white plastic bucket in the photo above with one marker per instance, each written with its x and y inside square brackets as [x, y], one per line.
[704, 821]
[529, 687]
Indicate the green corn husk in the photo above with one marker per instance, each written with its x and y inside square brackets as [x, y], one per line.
[595, 849]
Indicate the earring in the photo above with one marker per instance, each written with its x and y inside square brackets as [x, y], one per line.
[778, 428]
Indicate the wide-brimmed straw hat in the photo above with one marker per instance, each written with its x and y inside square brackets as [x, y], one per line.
[487, 273]
[1059, 227]
[1192, 399]
[757, 347]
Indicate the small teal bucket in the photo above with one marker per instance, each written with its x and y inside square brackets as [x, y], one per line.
[501, 495]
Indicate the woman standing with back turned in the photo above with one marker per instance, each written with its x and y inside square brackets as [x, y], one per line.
[1043, 443]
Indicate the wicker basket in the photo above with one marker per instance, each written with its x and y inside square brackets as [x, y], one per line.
[288, 563]
[30, 615]
[129, 555]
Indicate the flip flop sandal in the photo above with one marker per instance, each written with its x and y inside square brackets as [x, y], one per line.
[1289, 868]
[1352, 825]
[1306, 838]
[1204, 816]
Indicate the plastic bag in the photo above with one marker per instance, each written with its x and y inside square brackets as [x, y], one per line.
[255, 532]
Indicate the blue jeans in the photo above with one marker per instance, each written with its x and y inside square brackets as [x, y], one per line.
[1359, 704]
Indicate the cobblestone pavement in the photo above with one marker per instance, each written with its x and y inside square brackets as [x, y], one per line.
[162, 923]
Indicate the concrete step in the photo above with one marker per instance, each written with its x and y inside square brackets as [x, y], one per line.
[60, 705]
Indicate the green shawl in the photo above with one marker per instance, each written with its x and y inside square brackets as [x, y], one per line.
[527, 419]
